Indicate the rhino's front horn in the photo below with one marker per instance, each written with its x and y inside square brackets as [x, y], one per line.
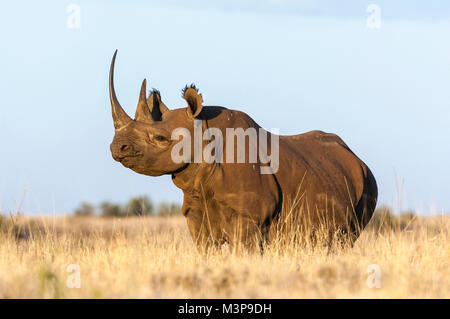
[120, 117]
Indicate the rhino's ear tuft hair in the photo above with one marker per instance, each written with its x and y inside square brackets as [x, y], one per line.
[155, 91]
[191, 86]
[156, 106]
[194, 100]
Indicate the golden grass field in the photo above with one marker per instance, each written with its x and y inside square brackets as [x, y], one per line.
[154, 257]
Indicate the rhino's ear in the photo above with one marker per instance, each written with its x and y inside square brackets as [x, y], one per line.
[156, 106]
[142, 110]
[194, 100]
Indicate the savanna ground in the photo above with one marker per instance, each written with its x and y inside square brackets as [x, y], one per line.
[154, 257]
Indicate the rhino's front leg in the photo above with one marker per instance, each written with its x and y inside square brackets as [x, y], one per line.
[203, 231]
[244, 233]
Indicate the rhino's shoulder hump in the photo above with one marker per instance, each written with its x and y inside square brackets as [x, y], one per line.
[230, 118]
[325, 137]
[210, 112]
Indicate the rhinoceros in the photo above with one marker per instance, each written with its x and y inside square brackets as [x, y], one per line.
[234, 202]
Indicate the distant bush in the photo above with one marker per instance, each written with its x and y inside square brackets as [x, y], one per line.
[111, 210]
[384, 219]
[85, 209]
[169, 209]
[4, 224]
[139, 206]
[20, 230]
[136, 206]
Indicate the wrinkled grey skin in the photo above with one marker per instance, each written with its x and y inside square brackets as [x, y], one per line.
[232, 202]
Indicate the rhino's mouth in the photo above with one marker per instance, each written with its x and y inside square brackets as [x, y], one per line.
[129, 160]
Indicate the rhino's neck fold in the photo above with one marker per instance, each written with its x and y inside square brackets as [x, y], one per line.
[192, 176]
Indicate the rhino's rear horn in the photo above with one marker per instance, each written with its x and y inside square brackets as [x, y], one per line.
[120, 117]
[142, 110]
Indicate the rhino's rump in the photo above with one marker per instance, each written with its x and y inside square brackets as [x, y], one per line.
[322, 176]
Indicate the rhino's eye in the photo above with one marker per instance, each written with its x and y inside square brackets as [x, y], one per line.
[160, 138]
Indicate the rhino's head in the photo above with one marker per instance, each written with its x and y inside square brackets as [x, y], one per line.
[144, 144]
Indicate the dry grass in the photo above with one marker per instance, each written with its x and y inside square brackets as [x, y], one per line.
[155, 258]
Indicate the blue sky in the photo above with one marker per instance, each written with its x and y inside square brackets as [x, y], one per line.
[292, 65]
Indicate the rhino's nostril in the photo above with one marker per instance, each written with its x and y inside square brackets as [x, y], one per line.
[124, 148]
